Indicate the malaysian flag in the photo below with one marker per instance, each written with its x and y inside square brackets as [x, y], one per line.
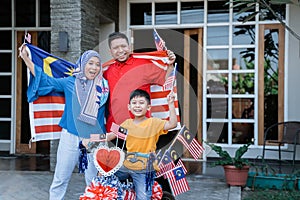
[119, 131]
[177, 180]
[166, 164]
[159, 103]
[159, 42]
[45, 112]
[192, 145]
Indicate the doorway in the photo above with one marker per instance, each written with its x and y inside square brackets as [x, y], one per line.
[23, 129]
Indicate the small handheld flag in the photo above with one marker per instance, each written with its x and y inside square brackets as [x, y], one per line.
[159, 42]
[120, 132]
[27, 38]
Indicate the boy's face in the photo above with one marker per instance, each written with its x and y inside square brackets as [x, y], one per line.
[138, 106]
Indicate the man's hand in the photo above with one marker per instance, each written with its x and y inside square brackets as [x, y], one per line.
[171, 56]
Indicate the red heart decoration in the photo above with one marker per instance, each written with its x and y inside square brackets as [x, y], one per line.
[108, 160]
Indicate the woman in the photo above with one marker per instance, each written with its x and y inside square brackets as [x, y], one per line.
[85, 95]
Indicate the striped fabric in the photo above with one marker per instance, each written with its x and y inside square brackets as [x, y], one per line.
[45, 115]
[159, 104]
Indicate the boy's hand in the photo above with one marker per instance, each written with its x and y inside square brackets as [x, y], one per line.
[171, 97]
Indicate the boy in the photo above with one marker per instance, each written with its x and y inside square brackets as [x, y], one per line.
[143, 134]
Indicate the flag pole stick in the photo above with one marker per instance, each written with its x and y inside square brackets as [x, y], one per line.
[173, 84]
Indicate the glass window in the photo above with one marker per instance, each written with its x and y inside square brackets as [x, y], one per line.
[5, 40]
[25, 13]
[44, 40]
[243, 34]
[243, 83]
[217, 59]
[240, 17]
[165, 13]
[242, 108]
[242, 133]
[140, 14]
[243, 58]
[5, 85]
[217, 11]
[217, 132]
[216, 83]
[192, 12]
[217, 108]
[266, 14]
[5, 64]
[5, 130]
[5, 13]
[45, 13]
[217, 35]
[5, 108]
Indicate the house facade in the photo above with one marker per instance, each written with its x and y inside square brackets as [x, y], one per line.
[234, 79]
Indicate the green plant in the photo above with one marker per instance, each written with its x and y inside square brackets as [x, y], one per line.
[226, 159]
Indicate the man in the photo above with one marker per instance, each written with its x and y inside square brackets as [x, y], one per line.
[128, 73]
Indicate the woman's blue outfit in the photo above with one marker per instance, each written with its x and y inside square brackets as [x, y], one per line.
[74, 129]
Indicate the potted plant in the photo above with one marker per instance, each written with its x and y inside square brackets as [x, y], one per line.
[236, 168]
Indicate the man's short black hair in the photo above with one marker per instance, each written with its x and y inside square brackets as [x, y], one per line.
[116, 35]
[140, 93]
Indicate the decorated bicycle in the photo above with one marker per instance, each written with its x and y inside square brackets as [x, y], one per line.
[108, 161]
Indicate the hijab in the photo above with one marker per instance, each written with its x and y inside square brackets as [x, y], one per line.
[91, 94]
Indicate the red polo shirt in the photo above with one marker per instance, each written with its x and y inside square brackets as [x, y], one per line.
[125, 77]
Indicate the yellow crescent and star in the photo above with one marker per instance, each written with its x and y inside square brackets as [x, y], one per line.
[47, 69]
[187, 134]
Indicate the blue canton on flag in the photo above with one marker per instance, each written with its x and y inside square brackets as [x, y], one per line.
[179, 173]
[159, 43]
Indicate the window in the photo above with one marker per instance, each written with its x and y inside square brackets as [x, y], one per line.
[5, 13]
[5, 65]
[140, 14]
[192, 12]
[165, 13]
[25, 13]
[5, 40]
[217, 12]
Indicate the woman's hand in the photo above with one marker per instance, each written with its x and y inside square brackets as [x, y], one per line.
[85, 142]
[23, 53]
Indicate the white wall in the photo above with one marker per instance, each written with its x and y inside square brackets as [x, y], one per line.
[293, 70]
[293, 67]
[105, 30]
